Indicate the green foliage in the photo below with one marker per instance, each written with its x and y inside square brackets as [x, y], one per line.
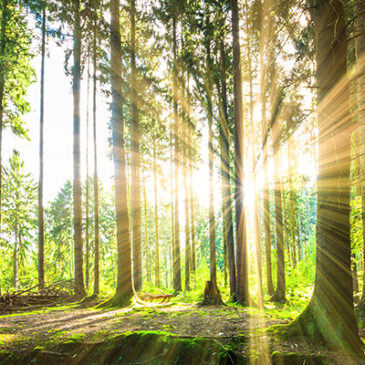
[19, 222]
[15, 69]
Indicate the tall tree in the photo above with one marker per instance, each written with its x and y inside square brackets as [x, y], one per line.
[279, 295]
[242, 290]
[360, 57]
[76, 80]
[177, 255]
[135, 173]
[15, 71]
[96, 179]
[265, 36]
[186, 118]
[224, 141]
[19, 209]
[87, 188]
[329, 316]
[124, 291]
[211, 293]
[41, 163]
[157, 246]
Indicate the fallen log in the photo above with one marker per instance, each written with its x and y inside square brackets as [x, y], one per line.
[148, 297]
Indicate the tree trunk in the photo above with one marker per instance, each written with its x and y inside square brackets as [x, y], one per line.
[292, 208]
[322, 321]
[177, 258]
[270, 286]
[147, 246]
[192, 204]
[279, 295]
[87, 249]
[96, 179]
[224, 137]
[211, 293]
[157, 248]
[124, 291]
[41, 164]
[135, 168]
[2, 82]
[256, 224]
[16, 257]
[186, 188]
[172, 202]
[355, 280]
[242, 291]
[360, 58]
[76, 73]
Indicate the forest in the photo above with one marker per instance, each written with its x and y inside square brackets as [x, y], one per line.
[182, 182]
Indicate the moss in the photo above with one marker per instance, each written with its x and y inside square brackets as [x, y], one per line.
[4, 338]
[279, 358]
[76, 337]
[117, 301]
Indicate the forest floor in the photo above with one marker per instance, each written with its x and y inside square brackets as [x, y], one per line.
[45, 328]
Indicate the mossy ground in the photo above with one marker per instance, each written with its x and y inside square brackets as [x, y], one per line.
[213, 334]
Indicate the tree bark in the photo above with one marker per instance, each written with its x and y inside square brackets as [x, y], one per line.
[96, 178]
[279, 295]
[242, 290]
[135, 168]
[157, 248]
[292, 207]
[224, 136]
[147, 245]
[76, 73]
[360, 60]
[172, 200]
[4, 11]
[211, 293]
[16, 256]
[192, 203]
[87, 194]
[41, 163]
[124, 291]
[177, 258]
[322, 321]
[253, 159]
[186, 188]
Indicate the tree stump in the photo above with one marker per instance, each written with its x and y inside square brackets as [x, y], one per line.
[212, 295]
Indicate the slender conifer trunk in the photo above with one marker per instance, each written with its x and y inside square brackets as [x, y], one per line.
[124, 291]
[41, 163]
[242, 291]
[135, 160]
[96, 178]
[76, 80]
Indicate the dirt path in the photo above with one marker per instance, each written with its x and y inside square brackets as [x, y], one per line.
[41, 327]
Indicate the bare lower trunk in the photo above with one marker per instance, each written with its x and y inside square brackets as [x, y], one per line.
[147, 244]
[135, 168]
[79, 276]
[270, 286]
[96, 179]
[40, 185]
[124, 291]
[224, 138]
[87, 194]
[157, 248]
[177, 258]
[322, 321]
[16, 258]
[242, 291]
[279, 295]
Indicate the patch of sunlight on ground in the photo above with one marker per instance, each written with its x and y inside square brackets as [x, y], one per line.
[7, 338]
